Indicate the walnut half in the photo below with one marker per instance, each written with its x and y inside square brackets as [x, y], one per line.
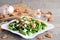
[4, 36]
[48, 35]
[41, 37]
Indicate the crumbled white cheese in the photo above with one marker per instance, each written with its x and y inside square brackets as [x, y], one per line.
[30, 29]
[17, 21]
[22, 20]
[27, 22]
[25, 25]
[24, 30]
[17, 25]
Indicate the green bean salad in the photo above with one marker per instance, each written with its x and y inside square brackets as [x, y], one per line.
[27, 25]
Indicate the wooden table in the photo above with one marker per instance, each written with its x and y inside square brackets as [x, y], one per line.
[52, 5]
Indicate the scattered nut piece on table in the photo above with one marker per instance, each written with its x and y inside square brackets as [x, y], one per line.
[46, 15]
[48, 35]
[41, 37]
[4, 36]
[0, 29]
[42, 11]
[50, 19]
[49, 12]
[1, 16]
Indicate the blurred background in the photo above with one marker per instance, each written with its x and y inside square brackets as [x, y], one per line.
[34, 3]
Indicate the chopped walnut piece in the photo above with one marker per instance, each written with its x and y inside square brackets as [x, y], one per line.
[50, 19]
[0, 29]
[4, 36]
[32, 25]
[49, 13]
[16, 10]
[21, 24]
[26, 11]
[41, 37]
[42, 11]
[10, 15]
[18, 18]
[38, 15]
[37, 20]
[27, 19]
[1, 16]
[48, 35]
[22, 8]
[46, 15]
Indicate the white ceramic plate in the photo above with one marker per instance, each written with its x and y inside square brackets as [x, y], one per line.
[5, 27]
